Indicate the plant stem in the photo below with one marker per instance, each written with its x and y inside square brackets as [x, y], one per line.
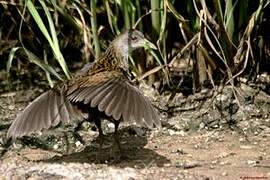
[155, 16]
[94, 28]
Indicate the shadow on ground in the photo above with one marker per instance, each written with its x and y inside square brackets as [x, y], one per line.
[134, 151]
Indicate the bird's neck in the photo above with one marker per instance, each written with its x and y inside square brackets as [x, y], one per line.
[114, 58]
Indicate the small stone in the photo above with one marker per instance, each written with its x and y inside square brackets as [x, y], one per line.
[171, 132]
[223, 162]
[179, 151]
[78, 143]
[110, 125]
[243, 80]
[9, 94]
[37, 154]
[188, 165]
[245, 147]
[251, 162]
[182, 133]
[11, 107]
[189, 155]
[55, 146]
[224, 174]
[216, 126]
[222, 97]
[241, 139]
[201, 126]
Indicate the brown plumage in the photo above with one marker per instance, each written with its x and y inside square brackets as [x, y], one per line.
[102, 90]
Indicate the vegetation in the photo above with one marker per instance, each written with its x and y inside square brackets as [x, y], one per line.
[216, 42]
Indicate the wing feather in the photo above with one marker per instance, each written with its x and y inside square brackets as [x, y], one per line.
[109, 99]
[138, 118]
[24, 122]
[45, 111]
[117, 112]
[127, 106]
[93, 92]
[101, 94]
[116, 102]
[55, 118]
[116, 97]
[79, 95]
[63, 111]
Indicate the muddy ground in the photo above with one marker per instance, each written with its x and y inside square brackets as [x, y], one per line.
[208, 135]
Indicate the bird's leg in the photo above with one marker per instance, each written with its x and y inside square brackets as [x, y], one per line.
[76, 135]
[100, 136]
[116, 138]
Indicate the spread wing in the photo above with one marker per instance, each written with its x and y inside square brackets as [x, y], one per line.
[45, 111]
[112, 93]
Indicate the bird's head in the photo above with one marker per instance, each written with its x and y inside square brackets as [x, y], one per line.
[129, 41]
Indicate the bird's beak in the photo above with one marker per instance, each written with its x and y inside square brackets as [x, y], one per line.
[149, 45]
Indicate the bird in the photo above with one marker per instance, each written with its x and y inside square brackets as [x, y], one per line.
[101, 90]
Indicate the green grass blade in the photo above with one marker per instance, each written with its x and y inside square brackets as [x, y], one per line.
[229, 18]
[10, 59]
[55, 45]
[52, 29]
[34, 59]
[124, 8]
[109, 14]
[37, 18]
[52, 41]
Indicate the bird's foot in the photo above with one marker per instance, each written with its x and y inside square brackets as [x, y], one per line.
[117, 154]
[78, 137]
[117, 158]
[99, 158]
